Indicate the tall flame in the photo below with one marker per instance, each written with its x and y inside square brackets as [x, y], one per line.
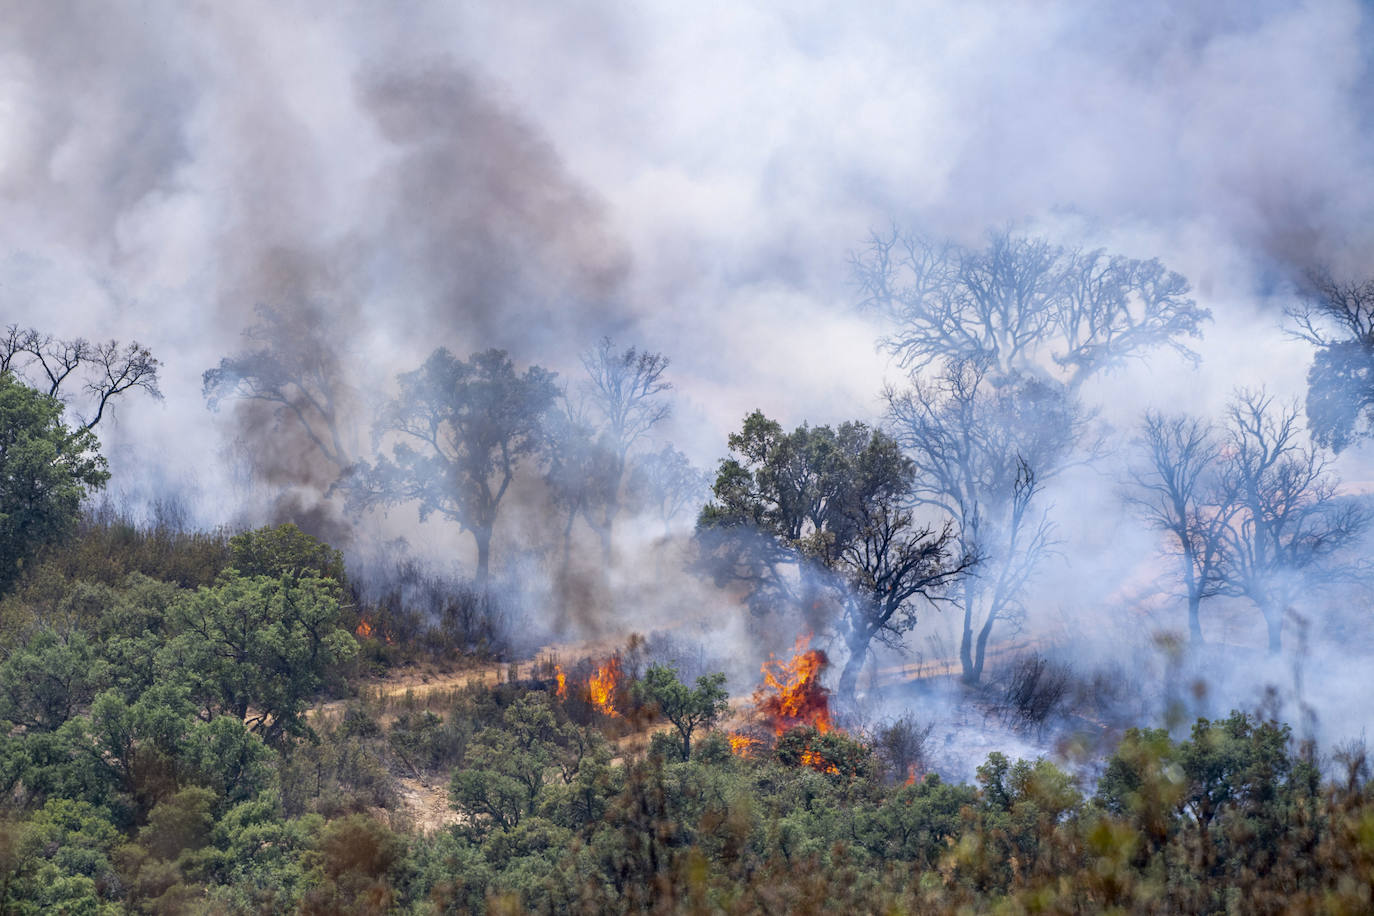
[792, 693]
[364, 630]
[602, 684]
[562, 682]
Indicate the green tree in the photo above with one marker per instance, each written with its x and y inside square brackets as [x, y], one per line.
[686, 708]
[61, 862]
[257, 648]
[507, 766]
[46, 681]
[284, 550]
[46, 470]
[818, 518]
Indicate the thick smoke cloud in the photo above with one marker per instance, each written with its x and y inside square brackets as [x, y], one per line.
[688, 179]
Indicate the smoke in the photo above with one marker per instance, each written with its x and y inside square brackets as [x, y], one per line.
[687, 180]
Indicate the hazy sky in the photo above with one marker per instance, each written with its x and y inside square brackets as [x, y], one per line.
[689, 178]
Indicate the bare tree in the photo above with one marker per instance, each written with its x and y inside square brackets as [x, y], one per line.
[1338, 319]
[983, 449]
[890, 561]
[1010, 332]
[1179, 488]
[1022, 303]
[626, 392]
[667, 482]
[1289, 521]
[84, 376]
[295, 373]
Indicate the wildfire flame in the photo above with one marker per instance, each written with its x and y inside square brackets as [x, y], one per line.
[602, 684]
[792, 694]
[742, 745]
[562, 682]
[365, 630]
[815, 761]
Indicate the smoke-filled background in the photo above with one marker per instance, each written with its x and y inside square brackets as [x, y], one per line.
[689, 180]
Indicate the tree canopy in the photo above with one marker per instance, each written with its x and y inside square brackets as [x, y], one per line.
[46, 470]
[85, 376]
[258, 647]
[1337, 318]
[1022, 303]
[820, 519]
[460, 430]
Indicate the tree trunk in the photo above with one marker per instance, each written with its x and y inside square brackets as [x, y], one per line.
[1273, 619]
[483, 538]
[604, 532]
[1194, 620]
[982, 649]
[970, 676]
[849, 677]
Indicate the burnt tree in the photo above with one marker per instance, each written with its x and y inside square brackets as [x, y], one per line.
[982, 453]
[998, 340]
[1178, 487]
[1289, 523]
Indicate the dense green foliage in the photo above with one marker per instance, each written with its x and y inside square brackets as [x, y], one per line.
[46, 470]
[159, 754]
[687, 708]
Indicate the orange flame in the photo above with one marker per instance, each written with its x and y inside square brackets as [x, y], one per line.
[742, 745]
[602, 684]
[911, 775]
[815, 761]
[792, 694]
[562, 682]
[365, 630]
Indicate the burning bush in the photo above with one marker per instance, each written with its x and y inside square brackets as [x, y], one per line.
[791, 694]
[603, 685]
[600, 690]
[830, 752]
[793, 707]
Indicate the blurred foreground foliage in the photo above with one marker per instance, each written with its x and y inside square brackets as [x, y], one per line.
[183, 729]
